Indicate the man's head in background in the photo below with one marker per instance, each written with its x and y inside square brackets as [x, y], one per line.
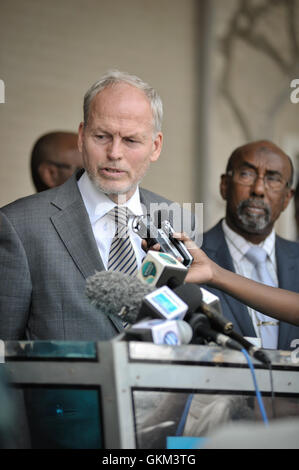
[257, 188]
[54, 158]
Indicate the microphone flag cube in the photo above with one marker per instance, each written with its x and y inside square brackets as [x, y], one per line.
[159, 269]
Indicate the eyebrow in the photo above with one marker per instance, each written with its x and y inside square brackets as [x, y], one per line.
[97, 130]
[253, 167]
[134, 136]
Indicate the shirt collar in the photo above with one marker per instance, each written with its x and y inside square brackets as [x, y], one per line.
[98, 204]
[242, 245]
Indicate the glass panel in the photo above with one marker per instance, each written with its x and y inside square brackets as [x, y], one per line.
[161, 414]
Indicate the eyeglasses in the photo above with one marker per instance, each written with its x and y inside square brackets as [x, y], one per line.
[64, 166]
[248, 177]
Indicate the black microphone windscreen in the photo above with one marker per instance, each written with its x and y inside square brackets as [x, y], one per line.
[191, 294]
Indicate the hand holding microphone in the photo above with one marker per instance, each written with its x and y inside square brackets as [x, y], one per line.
[161, 235]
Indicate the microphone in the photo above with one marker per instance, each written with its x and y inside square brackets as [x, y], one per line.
[201, 328]
[161, 232]
[254, 351]
[160, 269]
[114, 293]
[162, 303]
[175, 332]
[192, 294]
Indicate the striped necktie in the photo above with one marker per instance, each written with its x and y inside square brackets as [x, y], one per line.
[122, 257]
[268, 326]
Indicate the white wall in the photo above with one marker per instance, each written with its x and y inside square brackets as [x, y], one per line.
[52, 51]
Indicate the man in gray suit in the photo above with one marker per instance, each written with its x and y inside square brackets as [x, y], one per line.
[257, 188]
[52, 241]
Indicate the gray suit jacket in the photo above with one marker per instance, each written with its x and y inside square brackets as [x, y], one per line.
[287, 256]
[47, 250]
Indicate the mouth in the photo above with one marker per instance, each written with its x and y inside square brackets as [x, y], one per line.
[254, 215]
[254, 207]
[255, 210]
[107, 171]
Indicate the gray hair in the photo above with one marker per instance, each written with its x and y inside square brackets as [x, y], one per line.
[113, 77]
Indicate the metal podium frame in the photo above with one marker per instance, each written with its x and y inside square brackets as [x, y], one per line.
[117, 368]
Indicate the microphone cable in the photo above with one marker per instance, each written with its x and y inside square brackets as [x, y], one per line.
[260, 355]
[182, 422]
[257, 391]
[183, 419]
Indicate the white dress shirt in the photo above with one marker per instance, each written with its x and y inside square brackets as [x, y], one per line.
[238, 248]
[98, 204]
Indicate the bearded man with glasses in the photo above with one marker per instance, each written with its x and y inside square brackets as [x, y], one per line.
[257, 187]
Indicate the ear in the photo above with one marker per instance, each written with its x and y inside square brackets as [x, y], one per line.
[224, 186]
[287, 198]
[80, 136]
[157, 147]
[49, 174]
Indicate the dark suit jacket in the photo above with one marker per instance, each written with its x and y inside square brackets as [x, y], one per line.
[287, 257]
[47, 250]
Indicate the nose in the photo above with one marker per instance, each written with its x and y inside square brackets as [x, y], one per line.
[114, 150]
[258, 187]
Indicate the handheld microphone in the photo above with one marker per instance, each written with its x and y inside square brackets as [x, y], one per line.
[161, 233]
[159, 269]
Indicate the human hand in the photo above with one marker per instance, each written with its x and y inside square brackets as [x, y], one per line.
[145, 247]
[202, 269]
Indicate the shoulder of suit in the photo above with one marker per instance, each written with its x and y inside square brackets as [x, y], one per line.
[23, 202]
[213, 235]
[36, 201]
[287, 244]
[151, 196]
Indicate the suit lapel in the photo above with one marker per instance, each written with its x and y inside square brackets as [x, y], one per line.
[73, 226]
[72, 223]
[145, 199]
